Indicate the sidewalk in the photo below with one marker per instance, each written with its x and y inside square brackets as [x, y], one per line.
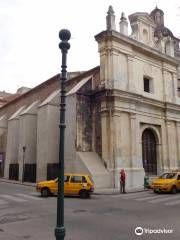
[115, 191]
[17, 182]
[99, 191]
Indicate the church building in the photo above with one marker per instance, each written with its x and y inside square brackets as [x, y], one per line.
[123, 114]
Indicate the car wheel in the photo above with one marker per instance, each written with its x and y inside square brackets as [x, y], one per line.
[174, 190]
[155, 191]
[45, 192]
[84, 194]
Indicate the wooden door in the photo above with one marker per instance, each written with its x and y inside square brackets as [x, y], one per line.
[149, 152]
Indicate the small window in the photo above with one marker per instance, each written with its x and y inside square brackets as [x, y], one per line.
[76, 179]
[146, 84]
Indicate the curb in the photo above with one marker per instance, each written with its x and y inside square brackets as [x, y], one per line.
[17, 182]
[101, 192]
[118, 193]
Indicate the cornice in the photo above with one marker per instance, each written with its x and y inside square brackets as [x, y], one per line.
[136, 45]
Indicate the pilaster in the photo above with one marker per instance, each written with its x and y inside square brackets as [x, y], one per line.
[133, 137]
[178, 142]
[172, 145]
[131, 86]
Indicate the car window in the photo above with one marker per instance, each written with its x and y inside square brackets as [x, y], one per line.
[66, 178]
[76, 179]
[168, 176]
[84, 179]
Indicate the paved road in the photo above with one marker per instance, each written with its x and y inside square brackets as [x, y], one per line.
[150, 197]
[25, 215]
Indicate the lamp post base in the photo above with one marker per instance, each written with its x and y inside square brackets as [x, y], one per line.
[60, 233]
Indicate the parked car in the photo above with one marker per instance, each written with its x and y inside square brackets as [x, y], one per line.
[74, 184]
[167, 182]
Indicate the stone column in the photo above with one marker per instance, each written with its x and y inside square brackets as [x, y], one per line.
[133, 138]
[110, 143]
[168, 126]
[175, 87]
[170, 47]
[116, 152]
[131, 86]
[172, 145]
[167, 90]
[178, 142]
[165, 151]
[137, 170]
[163, 84]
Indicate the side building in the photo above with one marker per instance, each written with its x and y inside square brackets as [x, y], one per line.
[124, 113]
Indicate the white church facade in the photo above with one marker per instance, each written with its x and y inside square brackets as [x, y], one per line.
[123, 114]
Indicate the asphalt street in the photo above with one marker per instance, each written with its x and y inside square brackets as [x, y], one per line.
[24, 215]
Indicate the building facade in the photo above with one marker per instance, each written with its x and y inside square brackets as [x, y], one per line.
[123, 114]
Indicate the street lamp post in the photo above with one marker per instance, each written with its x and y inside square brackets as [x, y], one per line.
[24, 150]
[64, 45]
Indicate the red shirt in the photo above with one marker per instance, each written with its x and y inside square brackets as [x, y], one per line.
[122, 176]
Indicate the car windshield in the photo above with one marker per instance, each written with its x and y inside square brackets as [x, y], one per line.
[168, 176]
[90, 178]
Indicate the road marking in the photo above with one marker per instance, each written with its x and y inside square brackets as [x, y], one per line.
[148, 198]
[134, 195]
[10, 197]
[164, 199]
[129, 194]
[28, 196]
[3, 202]
[172, 203]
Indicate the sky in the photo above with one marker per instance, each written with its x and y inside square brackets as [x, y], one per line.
[29, 53]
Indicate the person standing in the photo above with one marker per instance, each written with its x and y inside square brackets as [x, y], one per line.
[122, 181]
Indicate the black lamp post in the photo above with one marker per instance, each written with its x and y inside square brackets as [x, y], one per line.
[64, 45]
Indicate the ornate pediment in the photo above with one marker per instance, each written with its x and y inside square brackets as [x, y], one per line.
[141, 17]
[142, 28]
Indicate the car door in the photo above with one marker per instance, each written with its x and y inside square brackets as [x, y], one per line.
[54, 186]
[178, 182]
[76, 184]
[67, 185]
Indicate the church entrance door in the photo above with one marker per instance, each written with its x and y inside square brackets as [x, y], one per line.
[149, 152]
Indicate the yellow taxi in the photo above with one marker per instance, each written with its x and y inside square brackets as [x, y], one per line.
[74, 184]
[167, 182]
